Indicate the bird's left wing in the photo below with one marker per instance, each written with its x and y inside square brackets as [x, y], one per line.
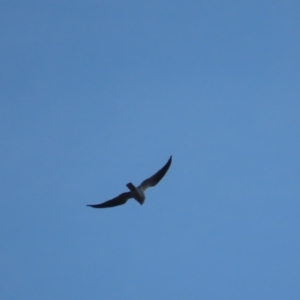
[119, 200]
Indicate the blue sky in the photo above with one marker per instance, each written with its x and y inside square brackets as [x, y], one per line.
[96, 94]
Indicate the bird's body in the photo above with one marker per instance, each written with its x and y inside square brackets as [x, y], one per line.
[138, 193]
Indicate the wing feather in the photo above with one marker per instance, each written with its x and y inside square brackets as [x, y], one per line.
[155, 179]
[119, 200]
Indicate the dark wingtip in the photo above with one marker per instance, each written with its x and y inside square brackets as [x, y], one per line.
[93, 206]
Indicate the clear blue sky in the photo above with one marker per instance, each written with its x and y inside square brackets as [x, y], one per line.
[94, 94]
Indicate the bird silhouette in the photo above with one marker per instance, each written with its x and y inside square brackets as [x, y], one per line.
[137, 193]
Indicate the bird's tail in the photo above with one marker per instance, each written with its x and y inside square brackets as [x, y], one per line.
[131, 187]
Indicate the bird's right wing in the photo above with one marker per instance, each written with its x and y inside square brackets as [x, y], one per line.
[119, 200]
[155, 179]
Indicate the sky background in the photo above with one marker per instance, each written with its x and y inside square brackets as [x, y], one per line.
[95, 94]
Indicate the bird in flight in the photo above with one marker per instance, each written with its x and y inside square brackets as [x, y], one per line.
[136, 193]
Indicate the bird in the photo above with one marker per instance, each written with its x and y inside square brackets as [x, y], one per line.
[137, 193]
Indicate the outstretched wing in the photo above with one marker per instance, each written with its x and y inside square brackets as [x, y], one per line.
[121, 199]
[155, 179]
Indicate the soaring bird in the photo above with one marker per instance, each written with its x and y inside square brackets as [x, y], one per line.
[137, 193]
